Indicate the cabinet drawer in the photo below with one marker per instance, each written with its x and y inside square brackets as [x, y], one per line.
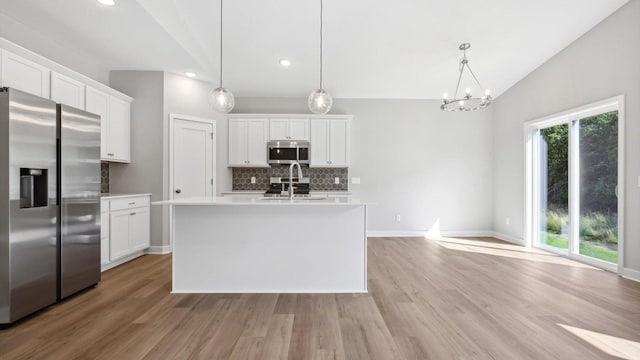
[129, 203]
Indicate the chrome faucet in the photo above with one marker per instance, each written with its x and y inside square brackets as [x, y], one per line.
[291, 177]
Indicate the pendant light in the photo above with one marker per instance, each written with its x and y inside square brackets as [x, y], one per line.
[220, 98]
[320, 100]
[467, 102]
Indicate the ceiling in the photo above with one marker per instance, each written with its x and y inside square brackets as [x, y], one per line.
[402, 49]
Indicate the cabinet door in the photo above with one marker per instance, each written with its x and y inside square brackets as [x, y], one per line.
[119, 234]
[119, 139]
[140, 231]
[97, 102]
[299, 129]
[278, 129]
[237, 142]
[67, 91]
[339, 143]
[319, 143]
[24, 75]
[104, 238]
[257, 142]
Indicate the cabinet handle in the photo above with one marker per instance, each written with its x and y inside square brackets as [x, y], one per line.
[132, 203]
[178, 191]
[132, 214]
[110, 154]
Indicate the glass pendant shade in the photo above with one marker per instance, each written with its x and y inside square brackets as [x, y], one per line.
[320, 102]
[221, 100]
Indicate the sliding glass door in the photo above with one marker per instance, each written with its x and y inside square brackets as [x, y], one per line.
[573, 187]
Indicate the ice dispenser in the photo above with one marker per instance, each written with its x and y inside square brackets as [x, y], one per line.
[34, 191]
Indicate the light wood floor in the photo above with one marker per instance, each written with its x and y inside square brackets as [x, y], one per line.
[449, 299]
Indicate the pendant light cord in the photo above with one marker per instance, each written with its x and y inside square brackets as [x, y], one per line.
[320, 44]
[220, 43]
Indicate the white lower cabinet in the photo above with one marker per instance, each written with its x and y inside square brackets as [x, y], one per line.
[104, 233]
[129, 228]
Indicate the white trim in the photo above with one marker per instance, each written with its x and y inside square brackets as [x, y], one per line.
[121, 261]
[631, 274]
[450, 233]
[509, 238]
[169, 195]
[158, 250]
[270, 291]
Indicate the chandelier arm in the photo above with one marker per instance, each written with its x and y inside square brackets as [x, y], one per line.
[321, 8]
[474, 77]
[220, 43]
[455, 94]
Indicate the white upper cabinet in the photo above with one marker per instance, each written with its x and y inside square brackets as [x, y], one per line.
[115, 124]
[119, 133]
[330, 142]
[97, 102]
[247, 142]
[24, 75]
[289, 129]
[67, 91]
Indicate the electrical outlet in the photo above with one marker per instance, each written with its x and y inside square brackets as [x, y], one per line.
[355, 180]
[253, 179]
[337, 180]
[397, 217]
[507, 221]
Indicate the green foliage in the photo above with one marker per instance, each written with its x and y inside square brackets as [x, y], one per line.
[598, 139]
[594, 226]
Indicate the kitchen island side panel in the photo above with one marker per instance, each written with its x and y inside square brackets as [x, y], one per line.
[270, 249]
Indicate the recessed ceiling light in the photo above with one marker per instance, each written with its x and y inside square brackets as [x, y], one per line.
[285, 62]
[190, 74]
[107, 2]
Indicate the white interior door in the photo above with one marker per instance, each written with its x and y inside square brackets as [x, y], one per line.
[193, 156]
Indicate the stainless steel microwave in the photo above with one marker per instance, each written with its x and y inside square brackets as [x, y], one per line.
[286, 152]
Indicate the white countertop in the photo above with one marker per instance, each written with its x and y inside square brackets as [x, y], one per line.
[108, 196]
[260, 201]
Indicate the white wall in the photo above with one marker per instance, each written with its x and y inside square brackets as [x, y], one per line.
[55, 49]
[601, 64]
[413, 160]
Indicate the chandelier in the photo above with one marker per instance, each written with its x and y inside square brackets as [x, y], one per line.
[467, 102]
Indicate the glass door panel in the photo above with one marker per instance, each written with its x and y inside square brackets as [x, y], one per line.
[598, 178]
[553, 179]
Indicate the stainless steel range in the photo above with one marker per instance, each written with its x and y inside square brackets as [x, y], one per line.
[279, 186]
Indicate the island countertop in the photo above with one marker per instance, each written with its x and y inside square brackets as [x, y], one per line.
[261, 201]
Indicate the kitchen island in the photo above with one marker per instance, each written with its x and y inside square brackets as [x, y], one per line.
[257, 245]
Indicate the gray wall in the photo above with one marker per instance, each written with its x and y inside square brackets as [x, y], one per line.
[144, 174]
[413, 160]
[601, 64]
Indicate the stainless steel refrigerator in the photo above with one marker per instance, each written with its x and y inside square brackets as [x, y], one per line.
[49, 203]
[79, 199]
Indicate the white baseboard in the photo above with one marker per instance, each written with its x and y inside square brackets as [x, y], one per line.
[158, 250]
[396, 233]
[508, 238]
[631, 274]
[467, 233]
[121, 261]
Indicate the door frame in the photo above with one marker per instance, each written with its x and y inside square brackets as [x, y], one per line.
[531, 162]
[172, 121]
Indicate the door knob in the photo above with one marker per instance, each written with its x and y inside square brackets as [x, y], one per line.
[178, 191]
